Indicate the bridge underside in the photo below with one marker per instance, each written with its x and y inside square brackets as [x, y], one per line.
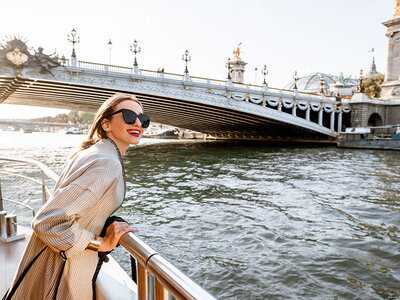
[213, 120]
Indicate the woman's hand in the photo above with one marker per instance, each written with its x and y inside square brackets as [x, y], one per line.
[113, 234]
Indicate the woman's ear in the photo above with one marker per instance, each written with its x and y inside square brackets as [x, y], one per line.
[105, 124]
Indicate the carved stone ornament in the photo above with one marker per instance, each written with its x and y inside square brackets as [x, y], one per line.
[396, 91]
[17, 57]
[15, 54]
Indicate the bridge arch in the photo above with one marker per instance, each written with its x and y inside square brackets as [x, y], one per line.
[375, 120]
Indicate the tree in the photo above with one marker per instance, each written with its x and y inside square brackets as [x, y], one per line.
[372, 86]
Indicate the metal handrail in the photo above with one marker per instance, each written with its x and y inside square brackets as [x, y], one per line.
[21, 204]
[46, 170]
[24, 177]
[166, 276]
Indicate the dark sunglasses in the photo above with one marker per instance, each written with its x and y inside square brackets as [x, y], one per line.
[130, 117]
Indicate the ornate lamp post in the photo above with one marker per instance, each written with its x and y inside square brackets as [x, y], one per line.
[228, 65]
[295, 77]
[109, 44]
[360, 87]
[135, 48]
[186, 58]
[321, 85]
[74, 40]
[264, 71]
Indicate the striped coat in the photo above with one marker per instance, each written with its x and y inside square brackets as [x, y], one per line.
[90, 189]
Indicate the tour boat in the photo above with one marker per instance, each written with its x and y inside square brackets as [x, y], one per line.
[380, 137]
[156, 278]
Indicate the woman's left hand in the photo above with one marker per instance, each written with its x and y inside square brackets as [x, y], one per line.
[113, 235]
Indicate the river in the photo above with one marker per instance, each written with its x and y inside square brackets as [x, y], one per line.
[252, 221]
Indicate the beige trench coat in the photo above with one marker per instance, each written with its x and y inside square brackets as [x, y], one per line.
[90, 189]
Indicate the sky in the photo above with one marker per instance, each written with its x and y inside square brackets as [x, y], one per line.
[303, 35]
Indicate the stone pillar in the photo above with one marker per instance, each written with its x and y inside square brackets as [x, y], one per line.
[333, 120]
[391, 85]
[308, 112]
[280, 105]
[237, 70]
[294, 109]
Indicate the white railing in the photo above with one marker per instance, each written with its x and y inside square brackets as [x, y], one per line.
[195, 79]
[167, 278]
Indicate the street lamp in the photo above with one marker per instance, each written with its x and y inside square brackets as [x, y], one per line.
[295, 77]
[264, 71]
[186, 58]
[109, 48]
[321, 84]
[74, 40]
[360, 87]
[228, 65]
[135, 48]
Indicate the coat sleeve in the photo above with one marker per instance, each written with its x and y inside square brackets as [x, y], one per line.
[56, 222]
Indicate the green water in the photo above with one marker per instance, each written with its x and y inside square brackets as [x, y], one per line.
[252, 221]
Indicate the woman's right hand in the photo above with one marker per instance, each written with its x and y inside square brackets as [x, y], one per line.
[113, 234]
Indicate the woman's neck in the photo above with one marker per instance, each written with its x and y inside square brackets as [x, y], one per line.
[122, 147]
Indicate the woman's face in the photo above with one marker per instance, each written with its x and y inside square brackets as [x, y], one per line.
[121, 133]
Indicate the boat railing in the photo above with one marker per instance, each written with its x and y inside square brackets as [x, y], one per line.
[156, 277]
[44, 171]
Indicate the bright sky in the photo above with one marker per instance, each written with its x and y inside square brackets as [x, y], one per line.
[303, 35]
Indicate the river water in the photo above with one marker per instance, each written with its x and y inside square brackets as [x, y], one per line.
[252, 221]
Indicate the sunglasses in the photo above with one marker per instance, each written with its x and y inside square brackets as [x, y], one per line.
[130, 117]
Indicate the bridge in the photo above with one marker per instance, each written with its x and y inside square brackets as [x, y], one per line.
[30, 125]
[224, 109]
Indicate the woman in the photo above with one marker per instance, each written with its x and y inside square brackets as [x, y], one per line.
[92, 186]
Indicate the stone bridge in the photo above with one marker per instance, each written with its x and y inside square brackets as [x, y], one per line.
[220, 108]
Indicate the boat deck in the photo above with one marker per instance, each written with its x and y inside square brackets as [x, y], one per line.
[10, 255]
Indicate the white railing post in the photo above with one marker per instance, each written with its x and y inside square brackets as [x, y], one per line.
[333, 119]
[294, 108]
[340, 118]
[308, 112]
[320, 114]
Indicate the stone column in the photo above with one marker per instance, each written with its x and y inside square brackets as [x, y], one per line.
[391, 85]
[333, 120]
[237, 70]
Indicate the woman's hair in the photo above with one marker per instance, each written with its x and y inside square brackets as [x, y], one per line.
[97, 132]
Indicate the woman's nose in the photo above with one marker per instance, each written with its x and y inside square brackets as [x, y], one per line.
[138, 123]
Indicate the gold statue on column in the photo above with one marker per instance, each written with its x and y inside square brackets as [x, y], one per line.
[236, 52]
[396, 7]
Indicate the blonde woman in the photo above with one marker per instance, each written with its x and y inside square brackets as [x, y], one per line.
[61, 256]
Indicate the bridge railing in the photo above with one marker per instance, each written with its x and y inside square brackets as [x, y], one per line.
[174, 76]
[286, 101]
[165, 278]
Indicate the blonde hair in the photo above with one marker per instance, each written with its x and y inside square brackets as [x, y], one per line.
[97, 132]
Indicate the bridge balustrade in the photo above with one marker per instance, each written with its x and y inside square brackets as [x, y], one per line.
[296, 107]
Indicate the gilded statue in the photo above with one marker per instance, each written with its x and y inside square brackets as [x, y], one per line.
[396, 7]
[236, 52]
